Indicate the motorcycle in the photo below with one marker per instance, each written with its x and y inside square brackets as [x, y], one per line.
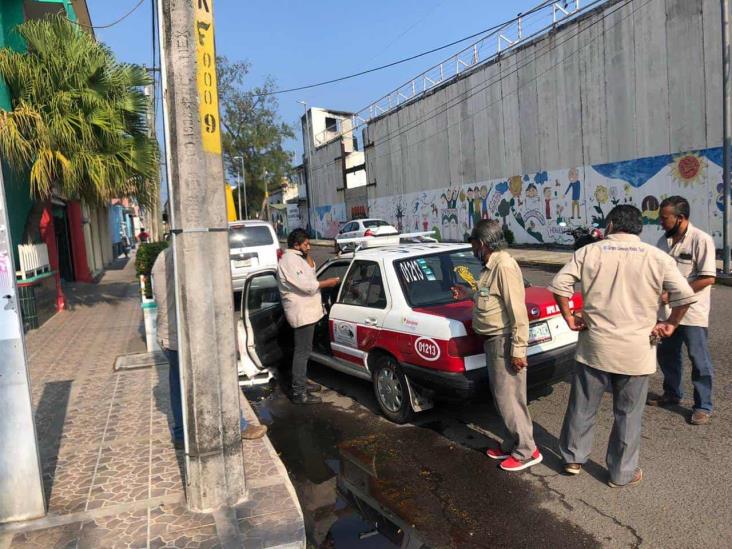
[583, 234]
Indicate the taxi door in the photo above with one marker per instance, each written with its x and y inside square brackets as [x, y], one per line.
[358, 314]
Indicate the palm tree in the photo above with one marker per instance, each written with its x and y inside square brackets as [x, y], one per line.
[77, 126]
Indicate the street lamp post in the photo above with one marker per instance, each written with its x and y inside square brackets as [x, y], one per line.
[239, 187]
[308, 125]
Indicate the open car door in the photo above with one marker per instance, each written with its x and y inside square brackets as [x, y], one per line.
[264, 337]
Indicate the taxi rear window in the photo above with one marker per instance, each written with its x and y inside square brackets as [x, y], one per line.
[426, 280]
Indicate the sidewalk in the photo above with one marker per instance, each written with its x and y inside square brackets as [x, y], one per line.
[111, 475]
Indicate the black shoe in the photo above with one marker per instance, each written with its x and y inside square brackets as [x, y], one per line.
[306, 398]
[313, 387]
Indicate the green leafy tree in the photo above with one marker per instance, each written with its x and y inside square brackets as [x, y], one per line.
[78, 121]
[252, 129]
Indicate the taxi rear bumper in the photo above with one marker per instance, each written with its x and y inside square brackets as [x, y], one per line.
[544, 369]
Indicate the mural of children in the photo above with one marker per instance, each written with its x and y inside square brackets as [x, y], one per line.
[483, 202]
[425, 217]
[532, 197]
[515, 185]
[548, 202]
[576, 188]
[649, 207]
[471, 207]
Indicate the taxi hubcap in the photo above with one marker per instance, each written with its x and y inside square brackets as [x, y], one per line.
[390, 390]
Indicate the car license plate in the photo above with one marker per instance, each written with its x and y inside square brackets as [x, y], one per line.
[539, 333]
[240, 263]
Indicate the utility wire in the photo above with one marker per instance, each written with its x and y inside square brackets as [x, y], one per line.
[113, 23]
[406, 59]
[442, 109]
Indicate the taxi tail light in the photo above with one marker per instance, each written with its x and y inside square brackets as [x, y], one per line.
[280, 253]
[368, 232]
[465, 346]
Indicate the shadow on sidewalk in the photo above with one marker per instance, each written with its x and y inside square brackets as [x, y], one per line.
[50, 418]
[87, 295]
[161, 393]
[118, 264]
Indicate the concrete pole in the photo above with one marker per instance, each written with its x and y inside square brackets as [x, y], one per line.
[21, 487]
[207, 347]
[727, 125]
[308, 172]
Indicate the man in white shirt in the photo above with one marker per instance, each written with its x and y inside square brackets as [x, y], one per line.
[301, 300]
[694, 252]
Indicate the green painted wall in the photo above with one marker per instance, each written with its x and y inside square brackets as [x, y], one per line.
[16, 187]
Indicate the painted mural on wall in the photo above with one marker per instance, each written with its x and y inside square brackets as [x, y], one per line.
[327, 220]
[533, 205]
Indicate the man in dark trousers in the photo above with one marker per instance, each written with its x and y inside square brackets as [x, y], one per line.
[301, 300]
[694, 252]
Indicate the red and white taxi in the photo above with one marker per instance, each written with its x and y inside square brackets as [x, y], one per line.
[393, 322]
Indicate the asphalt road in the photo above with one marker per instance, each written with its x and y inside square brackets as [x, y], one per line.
[432, 474]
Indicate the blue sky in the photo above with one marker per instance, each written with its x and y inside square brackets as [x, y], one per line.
[313, 40]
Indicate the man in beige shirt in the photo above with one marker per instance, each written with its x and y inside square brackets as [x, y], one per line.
[500, 315]
[621, 280]
[694, 252]
[301, 300]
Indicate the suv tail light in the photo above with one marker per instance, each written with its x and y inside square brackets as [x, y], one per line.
[465, 346]
[368, 232]
[280, 253]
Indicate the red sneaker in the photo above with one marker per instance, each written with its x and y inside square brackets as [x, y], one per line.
[513, 464]
[497, 453]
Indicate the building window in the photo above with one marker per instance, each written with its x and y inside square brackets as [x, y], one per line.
[331, 124]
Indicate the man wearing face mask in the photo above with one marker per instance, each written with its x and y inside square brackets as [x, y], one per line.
[621, 279]
[694, 253]
[301, 300]
[500, 316]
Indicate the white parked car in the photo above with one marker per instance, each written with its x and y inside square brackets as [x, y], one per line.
[393, 322]
[360, 228]
[252, 245]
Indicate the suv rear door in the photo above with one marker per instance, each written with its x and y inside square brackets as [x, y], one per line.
[251, 247]
[359, 312]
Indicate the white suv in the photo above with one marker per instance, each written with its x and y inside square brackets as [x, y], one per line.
[252, 245]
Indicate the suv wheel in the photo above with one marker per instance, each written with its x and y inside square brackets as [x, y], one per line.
[390, 388]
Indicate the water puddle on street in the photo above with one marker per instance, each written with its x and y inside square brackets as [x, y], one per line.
[335, 515]
[364, 482]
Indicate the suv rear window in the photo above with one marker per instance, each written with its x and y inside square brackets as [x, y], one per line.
[245, 237]
[374, 223]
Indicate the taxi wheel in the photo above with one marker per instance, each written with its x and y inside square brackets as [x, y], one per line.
[390, 388]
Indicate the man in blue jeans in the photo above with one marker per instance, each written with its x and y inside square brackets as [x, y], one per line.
[694, 253]
[164, 291]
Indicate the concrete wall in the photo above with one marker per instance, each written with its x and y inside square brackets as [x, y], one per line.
[629, 95]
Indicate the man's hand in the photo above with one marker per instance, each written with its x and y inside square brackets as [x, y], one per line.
[664, 298]
[663, 329]
[519, 363]
[575, 322]
[330, 282]
[460, 293]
